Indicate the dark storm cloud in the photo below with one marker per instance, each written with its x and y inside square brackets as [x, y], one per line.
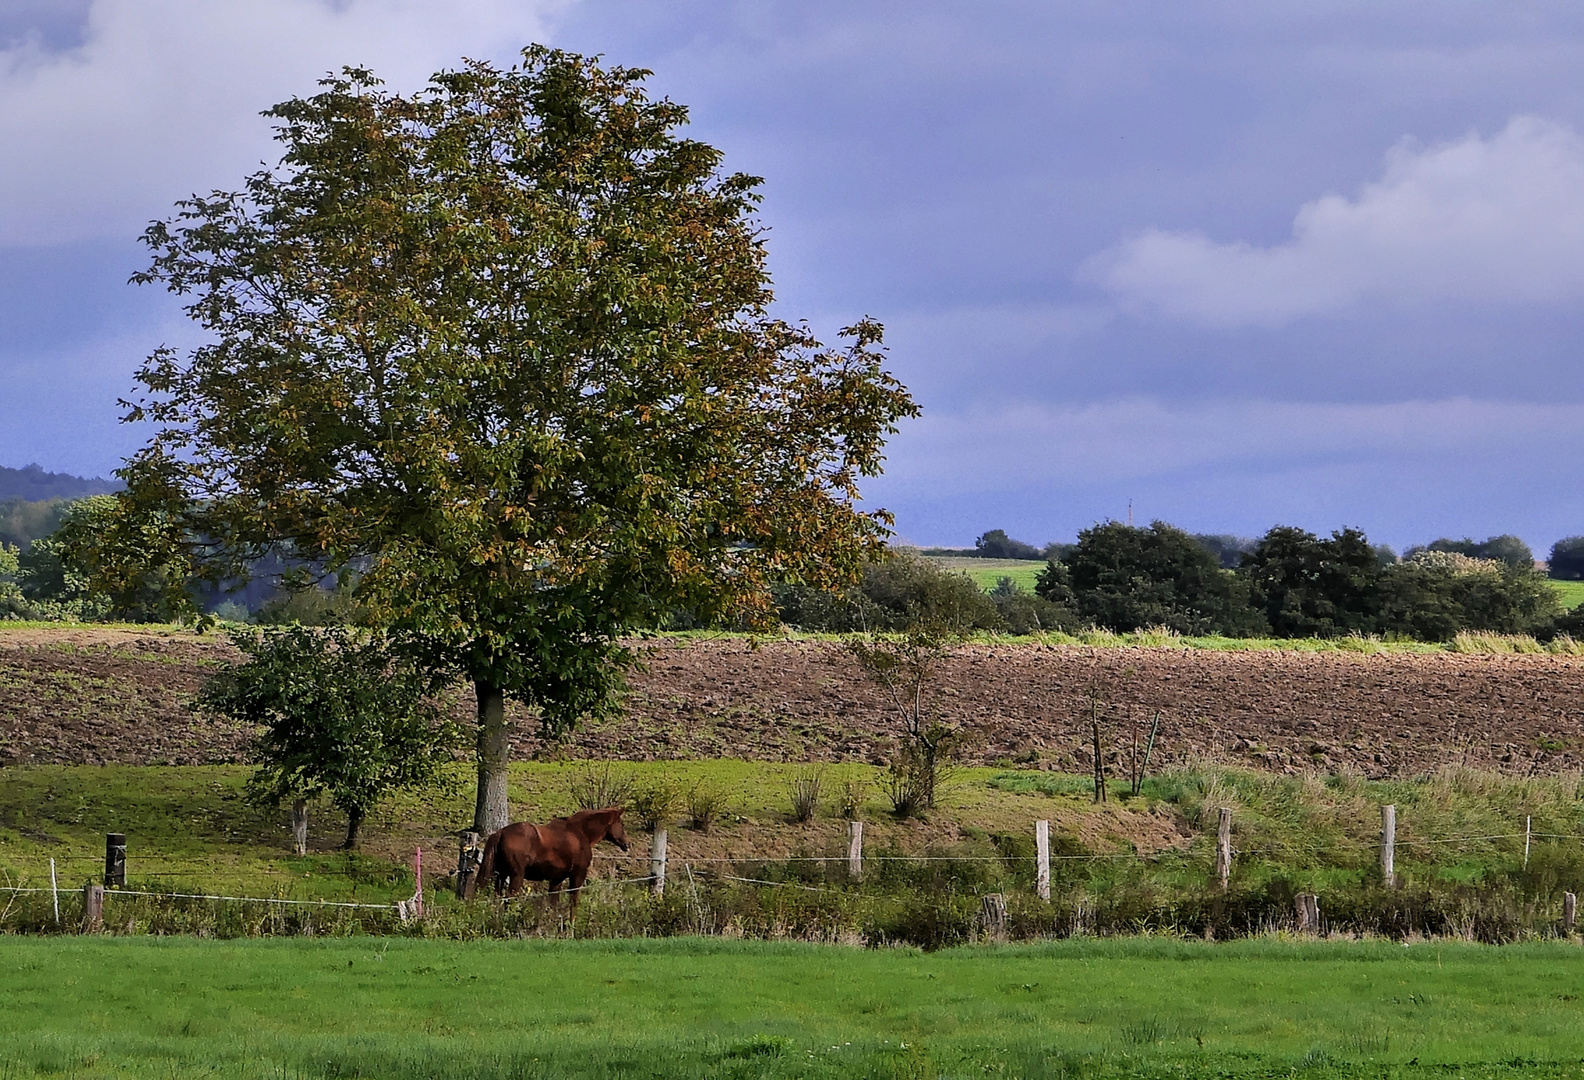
[1239, 262]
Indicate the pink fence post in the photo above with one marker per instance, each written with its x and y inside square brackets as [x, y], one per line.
[418, 877]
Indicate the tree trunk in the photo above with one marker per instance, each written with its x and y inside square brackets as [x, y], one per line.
[354, 826]
[490, 812]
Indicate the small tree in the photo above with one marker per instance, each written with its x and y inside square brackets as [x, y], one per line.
[904, 666]
[340, 714]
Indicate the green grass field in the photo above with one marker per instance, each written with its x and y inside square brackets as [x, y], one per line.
[1570, 592]
[986, 572]
[176, 1008]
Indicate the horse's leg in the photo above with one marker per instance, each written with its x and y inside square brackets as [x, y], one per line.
[579, 876]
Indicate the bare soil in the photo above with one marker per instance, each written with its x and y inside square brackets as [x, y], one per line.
[121, 696]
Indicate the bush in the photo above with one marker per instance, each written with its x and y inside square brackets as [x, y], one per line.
[1124, 578]
[1226, 547]
[1506, 549]
[805, 795]
[1435, 595]
[706, 804]
[850, 797]
[598, 788]
[1029, 613]
[895, 594]
[654, 803]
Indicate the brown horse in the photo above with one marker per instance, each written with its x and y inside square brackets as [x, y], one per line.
[557, 852]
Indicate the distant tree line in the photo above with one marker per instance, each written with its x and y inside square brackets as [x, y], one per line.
[32, 484]
[1289, 583]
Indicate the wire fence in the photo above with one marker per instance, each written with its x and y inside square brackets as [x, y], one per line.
[719, 867]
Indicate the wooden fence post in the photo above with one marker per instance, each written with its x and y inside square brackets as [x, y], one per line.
[1569, 912]
[93, 908]
[1308, 907]
[1528, 834]
[657, 862]
[1388, 854]
[469, 854]
[54, 892]
[115, 860]
[300, 826]
[993, 913]
[1224, 847]
[855, 850]
[1042, 859]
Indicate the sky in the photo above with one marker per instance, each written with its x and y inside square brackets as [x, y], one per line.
[1229, 265]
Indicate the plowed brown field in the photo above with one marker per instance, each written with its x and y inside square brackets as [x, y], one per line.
[101, 696]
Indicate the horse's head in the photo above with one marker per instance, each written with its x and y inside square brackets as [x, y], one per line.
[617, 833]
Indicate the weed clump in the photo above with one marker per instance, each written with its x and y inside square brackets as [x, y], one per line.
[598, 788]
[805, 795]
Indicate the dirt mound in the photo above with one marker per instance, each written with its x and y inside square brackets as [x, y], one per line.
[96, 697]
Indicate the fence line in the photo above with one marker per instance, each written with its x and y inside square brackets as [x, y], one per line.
[1042, 858]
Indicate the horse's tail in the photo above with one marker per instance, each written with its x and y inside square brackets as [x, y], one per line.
[486, 867]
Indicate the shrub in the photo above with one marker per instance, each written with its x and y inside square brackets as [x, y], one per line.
[906, 667]
[706, 804]
[655, 803]
[896, 593]
[1226, 547]
[850, 797]
[1506, 549]
[903, 784]
[805, 795]
[1029, 613]
[595, 789]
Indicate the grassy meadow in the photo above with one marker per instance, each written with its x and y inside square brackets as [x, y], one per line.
[986, 572]
[176, 1008]
[1571, 593]
[1132, 864]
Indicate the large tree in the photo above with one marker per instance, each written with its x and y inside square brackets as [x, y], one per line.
[1125, 578]
[503, 347]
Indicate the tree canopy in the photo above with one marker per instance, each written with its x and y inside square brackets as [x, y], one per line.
[1128, 578]
[504, 346]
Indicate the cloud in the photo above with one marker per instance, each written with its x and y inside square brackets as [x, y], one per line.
[1027, 447]
[161, 97]
[1488, 221]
